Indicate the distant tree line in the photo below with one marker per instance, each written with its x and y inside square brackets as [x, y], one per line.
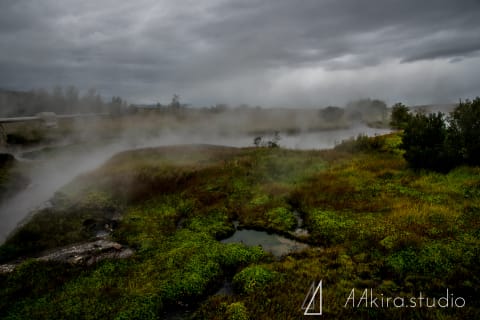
[61, 100]
[370, 111]
[439, 142]
[367, 110]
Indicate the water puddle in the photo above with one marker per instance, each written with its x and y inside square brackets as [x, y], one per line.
[273, 243]
[300, 231]
[226, 289]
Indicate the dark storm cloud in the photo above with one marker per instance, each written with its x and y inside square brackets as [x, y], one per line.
[276, 52]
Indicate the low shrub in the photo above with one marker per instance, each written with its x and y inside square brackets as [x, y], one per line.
[251, 279]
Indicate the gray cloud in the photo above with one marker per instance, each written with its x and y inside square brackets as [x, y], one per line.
[269, 52]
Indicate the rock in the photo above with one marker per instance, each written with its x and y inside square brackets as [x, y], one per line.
[85, 253]
[7, 268]
[299, 232]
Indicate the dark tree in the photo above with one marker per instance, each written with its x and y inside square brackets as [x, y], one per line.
[465, 130]
[175, 103]
[57, 100]
[332, 114]
[116, 105]
[72, 98]
[425, 143]
[257, 141]
[370, 110]
[400, 116]
[92, 101]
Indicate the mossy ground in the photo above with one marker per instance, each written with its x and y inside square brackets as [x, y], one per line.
[379, 225]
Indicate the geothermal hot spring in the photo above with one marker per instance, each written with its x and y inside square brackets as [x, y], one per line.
[48, 171]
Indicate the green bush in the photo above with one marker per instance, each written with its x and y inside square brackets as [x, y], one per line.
[281, 218]
[426, 144]
[400, 116]
[236, 254]
[442, 258]
[251, 279]
[465, 130]
[237, 311]
[362, 143]
[329, 227]
[141, 307]
[438, 143]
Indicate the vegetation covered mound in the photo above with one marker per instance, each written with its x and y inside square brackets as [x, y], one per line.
[372, 223]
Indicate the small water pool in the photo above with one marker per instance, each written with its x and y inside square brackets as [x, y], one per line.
[273, 243]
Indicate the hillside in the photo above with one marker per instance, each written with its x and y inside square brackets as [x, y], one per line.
[368, 220]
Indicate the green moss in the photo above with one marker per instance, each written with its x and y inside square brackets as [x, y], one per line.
[281, 218]
[252, 278]
[260, 199]
[237, 311]
[376, 223]
[216, 223]
[329, 227]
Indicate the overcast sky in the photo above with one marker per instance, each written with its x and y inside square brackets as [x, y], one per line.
[259, 52]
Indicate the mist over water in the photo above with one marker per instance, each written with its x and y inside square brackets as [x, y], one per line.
[50, 172]
[46, 177]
